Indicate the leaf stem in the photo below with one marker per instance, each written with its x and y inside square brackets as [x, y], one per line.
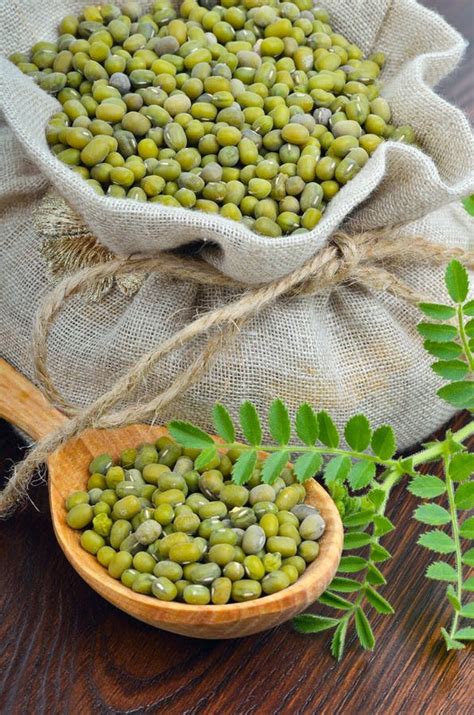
[430, 454]
[456, 539]
[464, 340]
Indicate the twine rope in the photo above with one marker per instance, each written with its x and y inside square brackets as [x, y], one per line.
[358, 258]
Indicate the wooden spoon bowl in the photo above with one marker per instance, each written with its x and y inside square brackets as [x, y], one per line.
[22, 404]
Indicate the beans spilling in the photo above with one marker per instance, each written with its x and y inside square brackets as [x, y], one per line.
[252, 109]
[174, 532]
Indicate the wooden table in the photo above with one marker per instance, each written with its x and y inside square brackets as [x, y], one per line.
[64, 650]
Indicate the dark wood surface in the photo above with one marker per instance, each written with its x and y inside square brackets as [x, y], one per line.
[64, 650]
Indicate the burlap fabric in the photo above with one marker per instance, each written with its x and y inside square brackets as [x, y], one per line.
[346, 350]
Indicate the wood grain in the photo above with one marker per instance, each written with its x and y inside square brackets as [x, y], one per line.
[65, 651]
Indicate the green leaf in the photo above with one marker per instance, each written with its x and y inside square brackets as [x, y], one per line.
[465, 634]
[345, 585]
[357, 433]
[352, 564]
[443, 351]
[469, 328]
[450, 369]
[279, 422]
[206, 456]
[438, 541]
[244, 466]
[467, 611]
[328, 434]
[223, 423]
[378, 553]
[188, 435]
[274, 465]
[358, 518]
[307, 466]
[468, 308]
[356, 539]
[437, 333]
[467, 530]
[441, 571]
[337, 469]
[339, 639]
[457, 281]
[250, 423]
[464, 496]
[309, 623]
[436, 311]
[377, 601]
[452, 598]
[468, 204]
[451, 643]
[332, 599]
[426, 486]
[461, 466]
[364, 631]
[460, 394]
[468, 557]
[383, 525]
[307, 426]
[374, 576]
[377, 497]
[432, 514]
[468, 584]
[361, 475]
[383, 442]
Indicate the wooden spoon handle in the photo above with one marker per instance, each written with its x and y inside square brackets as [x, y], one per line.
[23, 405]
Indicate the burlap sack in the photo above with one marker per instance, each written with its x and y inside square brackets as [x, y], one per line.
[346, 350]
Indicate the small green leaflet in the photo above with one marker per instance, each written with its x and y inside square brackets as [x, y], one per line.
[357, 433]
[345, 585]
[379, 553]
[332, 599]
[461, 466]
[467, 611]
[361, 475]
[356, 539]
[188, 435]
[468, 308]
[468, 557]
[377, 601]
[383, 442]
[426, 486]
[441, 571]
[309, 623]
[364, 631]
[467, 530]
[223, 423]
[382, 525]
[457, 281]
[250, 423]
[443, 351]
[358, 518]
[465, 634]
[468, 584]
[438, 541]
[352, 564]
[464, 496]
[374, 576]
[436, 311]
[377, 497]
[206, 456]
[307, 426]
[328, 434]
[469, 328]
[451, 643]
[274, 465]
[279, 422]
[339, 639]
[432, 514]
[337, 469]
[244, 466]
[459, 394]
[437, 333]
[452, 598]
[307, 466]
[450, 369]
[468, 204]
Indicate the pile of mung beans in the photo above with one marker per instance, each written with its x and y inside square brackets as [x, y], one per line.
[167, 529]
[252, 109]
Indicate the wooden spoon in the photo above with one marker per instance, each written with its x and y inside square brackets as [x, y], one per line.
[23, 405]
